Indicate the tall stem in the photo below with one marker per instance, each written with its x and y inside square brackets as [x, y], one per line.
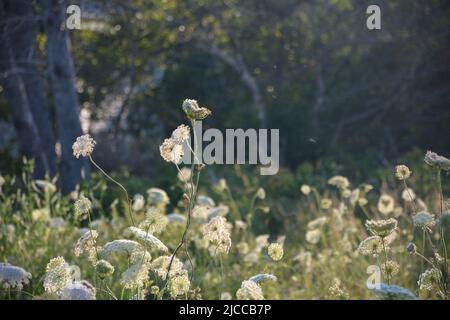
[118, 184]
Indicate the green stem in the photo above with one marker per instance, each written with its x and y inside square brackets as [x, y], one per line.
[118, 184]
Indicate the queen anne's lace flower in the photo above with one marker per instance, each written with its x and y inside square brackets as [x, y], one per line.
[371, 246]
[155, 222]
[120, 246]
[429, 280]
[424, 219]
[161, 264]
[58, 275]
[148, 239]
[305, 189]
[386, 204]
[181, 134]
[217, 231]
[193, 111]
[437, 161]
[402, 172]
[104, 269]
[138, 202]
[136, 275]
[390, 268]
[381, 228]
[171, 151]
[83, 146]
[249, 290]
[86, 243]
[13, 277]
[275, 251]
[261, 193]
[82, 207]
[157, 197]
[339, 182]
[179, 285]
[313, 236]
[80, 290]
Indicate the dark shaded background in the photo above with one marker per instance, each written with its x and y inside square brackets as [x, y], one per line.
[339, 93]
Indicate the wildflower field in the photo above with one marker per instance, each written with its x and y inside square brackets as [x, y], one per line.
[224, 150]
[199, 239]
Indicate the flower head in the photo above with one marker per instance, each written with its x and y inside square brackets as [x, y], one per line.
[437, 161]
[86, 243]
[381, 228]
[171, 151]
[147, 239]
[372, 246]
[261, 194]
[82, 207]
[83, 146]
[249, 290]
[313, 236]
[13, 277]
[155, 222]
[193, 111]
[161, 265]
[80, 290]
[181, 134]
[424, 220]
[58, 275]
[390, 268]
[402, 172]
[386, 204]
[339, 182]
[305, 189]
[138, 202]
[157, 197]
[120, 246]
[275, 251]
[179, 285]
[430, 279]
[104, 269]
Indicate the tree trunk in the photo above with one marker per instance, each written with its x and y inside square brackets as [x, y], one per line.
[62, 77]
[13, 78]
[24, 48]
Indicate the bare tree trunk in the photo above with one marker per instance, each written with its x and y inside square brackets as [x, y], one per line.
[62, 77]
[238, 64]
[13, 77]
[24, 48]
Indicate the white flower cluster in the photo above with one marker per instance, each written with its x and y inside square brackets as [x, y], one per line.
[217, 231]
[13, 277]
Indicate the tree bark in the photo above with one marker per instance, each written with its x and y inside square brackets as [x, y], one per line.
[62, 76]
[24, 48]
[16, 37]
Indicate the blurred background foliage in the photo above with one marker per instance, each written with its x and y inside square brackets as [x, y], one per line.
[347, 99]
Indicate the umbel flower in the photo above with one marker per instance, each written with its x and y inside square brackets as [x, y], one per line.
[13, 277]
[372, 246]
[161, 264]
[390, 268]
[339, 182]
[179, 285]
[181, 134]
[275, 251]
[120, 246]
[424, 220]
[104, 269]
[402, 172]
[155, 222]
[79, 290]
[305, 189]
[136, 275]
[386, 204]
[429, 280]
[58, 275]
[157, 197]
[171, 151]
[249, 290]
[193, 111]
[86, 243]
[437, 161]
[381, 228]
[217, 231]
[147, 239]
[83, 146]
[82, 207]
